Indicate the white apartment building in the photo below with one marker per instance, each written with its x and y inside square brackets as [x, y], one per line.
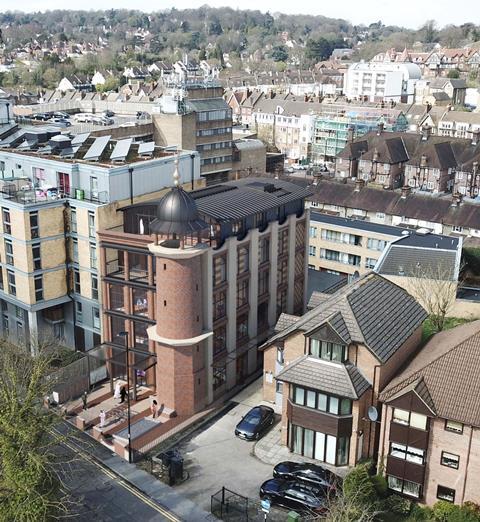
[382, 81]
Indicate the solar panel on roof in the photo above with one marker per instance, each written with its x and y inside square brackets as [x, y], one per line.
[97, 148]
[122, 147]
[146, 149]
[80, 138]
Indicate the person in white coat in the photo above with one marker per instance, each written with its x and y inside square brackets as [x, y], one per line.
[118, 387]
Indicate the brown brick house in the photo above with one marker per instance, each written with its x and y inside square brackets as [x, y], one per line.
[327, 367]
[430, 429]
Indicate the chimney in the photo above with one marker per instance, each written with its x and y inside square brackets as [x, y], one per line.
[316, 177]
[406, 190]
[456, 199]
[350, 134]
[476, 137]
[423, 161]
[426, 132]
[359, 184]
[381, 128]
[376, 154]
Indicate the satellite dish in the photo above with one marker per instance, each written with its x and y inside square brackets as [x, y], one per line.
[372, 414]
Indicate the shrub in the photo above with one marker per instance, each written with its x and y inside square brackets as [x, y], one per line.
[396, 504]
[380, 485]
[358, 484]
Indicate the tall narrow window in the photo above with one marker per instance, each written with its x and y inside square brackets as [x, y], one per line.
[91, 224]
[96, 318]
[37, 260]
[34, 228]
[75, 250]
[7, 227]
[38, 280]
[93, 256]
[9, 251]
[94, 287]
[76, 281]
[73, 219]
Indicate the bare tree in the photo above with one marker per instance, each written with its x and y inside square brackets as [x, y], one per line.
[435, 287]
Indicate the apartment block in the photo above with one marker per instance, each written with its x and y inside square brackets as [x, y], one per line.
[56, 192]
[347, 246]
[430, 437]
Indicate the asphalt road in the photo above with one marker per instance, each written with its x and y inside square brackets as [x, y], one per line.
[99, 495]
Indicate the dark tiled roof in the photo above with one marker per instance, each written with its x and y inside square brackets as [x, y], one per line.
[448, 367]
[323, 282]
[416, 206]
[358, 224]
[371, 311]
[284, 321]
[329, 377]
[316, 298]
[386, 315]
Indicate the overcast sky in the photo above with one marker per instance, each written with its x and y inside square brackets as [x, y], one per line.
[407, 13]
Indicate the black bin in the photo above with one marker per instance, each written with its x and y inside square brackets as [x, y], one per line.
[176, 468]
[167, 457]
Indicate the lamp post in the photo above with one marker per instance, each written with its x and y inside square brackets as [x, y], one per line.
[125, 335]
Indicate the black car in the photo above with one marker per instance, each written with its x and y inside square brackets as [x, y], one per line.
[292, 494]
[108, 113]
[305, 472]
[255, 423]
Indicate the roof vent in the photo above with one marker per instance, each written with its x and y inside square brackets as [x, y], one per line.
[401, 272]
[269, 187]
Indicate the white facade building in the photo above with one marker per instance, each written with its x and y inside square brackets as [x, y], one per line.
[382, 81]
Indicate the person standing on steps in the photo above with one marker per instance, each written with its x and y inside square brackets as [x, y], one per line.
[123, 394]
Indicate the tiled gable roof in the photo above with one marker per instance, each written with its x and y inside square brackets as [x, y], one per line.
[344, 380]
[448, 366]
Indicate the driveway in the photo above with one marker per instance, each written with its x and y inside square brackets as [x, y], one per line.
[214, 457]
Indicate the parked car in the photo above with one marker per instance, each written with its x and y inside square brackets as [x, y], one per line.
[41, 116]
[291, 494]
[61, 114]
[108, 113]
[128, 124]
[307, 473]
[106, 120]
[142, 115]
[255, 423]
[61, 122]
[83, 117]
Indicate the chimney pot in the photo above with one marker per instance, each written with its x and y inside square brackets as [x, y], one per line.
[406, 190]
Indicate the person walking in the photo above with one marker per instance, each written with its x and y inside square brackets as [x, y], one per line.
[116, 393]
[103, 417]
[153, 408]
[123, 394]
[84, 400]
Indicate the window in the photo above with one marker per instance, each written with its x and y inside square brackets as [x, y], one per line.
[76, 281]
[219, 340]
[34, 228]
[447, 494]
[282, 272]
[450, 460]
[96, 318]
[73, 219]
[327, 351]
[404, 486]
[93, 256]
[320, 446]
[78, 311]
[219, 305]
[219, 270]
[94, 281]
[380, 215]
[91, 224]
[38, 281]
[59, 331]
[242, 293]
[400, 451]
[7, 226]
[75, 250]
[321, 401]
[94, 187]
[37, 261]
[280, 355]
[12, 287]
[140, 301]
[243, 260]
[312, 250]
[219, 377]
[283, 241]
[64, 182]
[456, 427]
[263, 282]
[376, 244]
[412, 419]
[370, 262]
[313, 232]
[9, 251]
[19, 312]
[5, 325]
[242, 327]
[263, 250]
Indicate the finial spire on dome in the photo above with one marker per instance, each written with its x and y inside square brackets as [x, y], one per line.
[176, 175]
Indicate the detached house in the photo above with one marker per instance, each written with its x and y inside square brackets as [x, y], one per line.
[327, 367]
[430, 428]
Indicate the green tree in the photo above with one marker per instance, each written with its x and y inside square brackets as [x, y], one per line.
[111, 84]
[453, 74]
[29, 486]
[429, 31]
[279, 53]
[51, 78]
[318, 49]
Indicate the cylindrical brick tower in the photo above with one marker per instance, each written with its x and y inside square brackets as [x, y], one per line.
[179, 332]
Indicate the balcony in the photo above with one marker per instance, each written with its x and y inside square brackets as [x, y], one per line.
[409, 436]
[337, 425]
[34, 196]
[406, 470]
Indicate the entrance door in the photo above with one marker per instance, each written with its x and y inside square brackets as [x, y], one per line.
[279, 394]
[242, 368]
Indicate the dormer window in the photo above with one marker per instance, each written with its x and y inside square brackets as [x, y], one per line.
[328, 351]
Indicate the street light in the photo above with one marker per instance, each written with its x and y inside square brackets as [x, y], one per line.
[125, 335]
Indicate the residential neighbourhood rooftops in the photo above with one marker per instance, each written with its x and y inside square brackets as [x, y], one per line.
[448, 367]
[330, 377]
[368, 226]
[371, 311]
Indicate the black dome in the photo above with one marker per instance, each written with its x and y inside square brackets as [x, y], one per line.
[177, 213]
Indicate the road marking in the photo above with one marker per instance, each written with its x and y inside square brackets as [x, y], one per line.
[119, 480]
